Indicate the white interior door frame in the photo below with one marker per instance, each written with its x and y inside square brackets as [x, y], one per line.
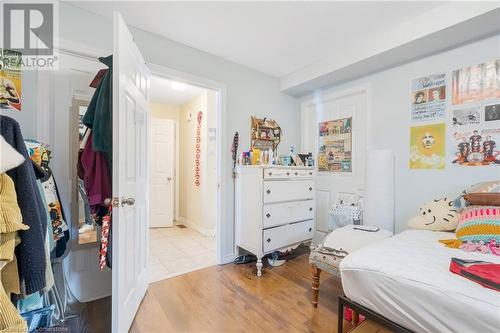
[222, 144]
[176, 172]
[223, 200]
[311, 109]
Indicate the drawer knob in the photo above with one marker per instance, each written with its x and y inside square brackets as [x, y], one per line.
[270, 173]
[310, 229]
[288, 173]
[310, 209]
[268, 240]
[268, 215]
[310, 173]
[268, 191]
[310, 188]
[296, 173]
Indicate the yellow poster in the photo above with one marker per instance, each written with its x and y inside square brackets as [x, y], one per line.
[427, 146]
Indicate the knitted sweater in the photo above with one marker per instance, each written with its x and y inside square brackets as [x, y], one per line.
[31, 252]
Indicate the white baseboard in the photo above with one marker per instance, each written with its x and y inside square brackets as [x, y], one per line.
[228, 258]
[204, 231]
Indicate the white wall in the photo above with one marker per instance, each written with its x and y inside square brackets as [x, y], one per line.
[164, 111]
[389, 125]
[248, 91]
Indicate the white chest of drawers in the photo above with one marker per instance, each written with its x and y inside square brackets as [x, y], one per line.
[275, 208]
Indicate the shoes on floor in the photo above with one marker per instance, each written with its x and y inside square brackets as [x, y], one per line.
[84, 228]
[245, 259]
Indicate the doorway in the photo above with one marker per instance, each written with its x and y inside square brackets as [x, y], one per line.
[351, 107]
[182, 177]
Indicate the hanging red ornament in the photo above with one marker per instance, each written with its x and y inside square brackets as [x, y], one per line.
[198, 150]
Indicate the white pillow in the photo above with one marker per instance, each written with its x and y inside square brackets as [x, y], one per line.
[349, 238]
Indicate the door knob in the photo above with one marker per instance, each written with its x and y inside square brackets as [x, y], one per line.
[310, 188]
[310, 209]
[169, 178]
[128, 201]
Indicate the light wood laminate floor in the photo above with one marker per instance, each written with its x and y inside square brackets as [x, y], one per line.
[230, 298]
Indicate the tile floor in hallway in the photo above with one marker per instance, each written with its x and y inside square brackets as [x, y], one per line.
[174, 251]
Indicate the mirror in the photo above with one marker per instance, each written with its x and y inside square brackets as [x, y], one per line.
[85, 229]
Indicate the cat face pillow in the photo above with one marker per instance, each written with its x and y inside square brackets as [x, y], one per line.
[437, 215]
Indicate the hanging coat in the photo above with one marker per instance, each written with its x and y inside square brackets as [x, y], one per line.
[31, 252]
[99, 115]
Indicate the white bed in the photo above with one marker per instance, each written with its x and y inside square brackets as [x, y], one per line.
[406, 279]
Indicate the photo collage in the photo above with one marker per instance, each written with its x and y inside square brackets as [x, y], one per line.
[335, 145]
[474, 128]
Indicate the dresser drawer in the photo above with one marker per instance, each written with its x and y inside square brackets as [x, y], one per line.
[282, 213]
[291, 190]
[273, 173]
[286, 235]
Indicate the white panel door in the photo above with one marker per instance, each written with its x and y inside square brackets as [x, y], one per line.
[162, 172]
[130, 181]
[328, 185]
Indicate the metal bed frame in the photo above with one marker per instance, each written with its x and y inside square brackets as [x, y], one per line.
[369, 314]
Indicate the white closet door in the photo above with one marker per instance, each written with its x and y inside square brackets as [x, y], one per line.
[162, 171]
[130, 181]
[329, 184]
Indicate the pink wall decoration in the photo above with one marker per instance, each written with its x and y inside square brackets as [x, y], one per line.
[198, 150]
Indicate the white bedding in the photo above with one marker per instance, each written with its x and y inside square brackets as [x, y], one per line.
[406, 279]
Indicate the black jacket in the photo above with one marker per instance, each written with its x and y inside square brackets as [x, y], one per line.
[30, 252]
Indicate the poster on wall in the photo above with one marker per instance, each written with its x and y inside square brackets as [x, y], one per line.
[427, 146]
[492, 112]
[335, 145]
[428, 97]
[476, 83]
[468, 116]
[476, 147]
[10, 80]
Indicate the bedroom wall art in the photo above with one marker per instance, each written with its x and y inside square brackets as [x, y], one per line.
[427, 146]
[428, 97]
[476, 146]
[335, 145]
[475, 131]
[476, 83]
[10, 79]
[198, 150]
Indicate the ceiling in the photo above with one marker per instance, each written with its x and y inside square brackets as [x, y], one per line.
[162, 91]
[276, 38]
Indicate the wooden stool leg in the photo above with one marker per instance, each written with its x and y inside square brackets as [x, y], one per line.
[315, 285]
[355, 317]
